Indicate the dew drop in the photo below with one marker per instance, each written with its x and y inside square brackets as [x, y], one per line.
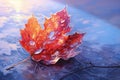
[38, 51]
[32, 43]
[62, 21]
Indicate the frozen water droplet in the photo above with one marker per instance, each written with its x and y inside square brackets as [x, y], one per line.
[56, 54]
[38, 51]
[51, 35]
[62, 21]
[53, 61]
[32, 43]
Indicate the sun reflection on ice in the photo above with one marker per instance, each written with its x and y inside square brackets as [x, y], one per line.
[24, 6]
[19, 17]
[17, 5]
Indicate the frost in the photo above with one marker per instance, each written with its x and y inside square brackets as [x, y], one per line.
[5, 47]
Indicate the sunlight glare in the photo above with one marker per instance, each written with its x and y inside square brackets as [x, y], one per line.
[17, 5]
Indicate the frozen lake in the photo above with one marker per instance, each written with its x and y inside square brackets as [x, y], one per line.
[101, 44]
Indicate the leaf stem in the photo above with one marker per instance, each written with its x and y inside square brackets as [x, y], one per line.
[12, 66]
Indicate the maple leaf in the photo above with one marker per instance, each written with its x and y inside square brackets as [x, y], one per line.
[51, 43]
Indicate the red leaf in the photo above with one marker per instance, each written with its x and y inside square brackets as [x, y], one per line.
[51, 43]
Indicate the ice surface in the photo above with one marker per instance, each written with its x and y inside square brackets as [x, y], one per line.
[101, 45]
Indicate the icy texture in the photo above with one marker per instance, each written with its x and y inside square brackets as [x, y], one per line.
[101, 45]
